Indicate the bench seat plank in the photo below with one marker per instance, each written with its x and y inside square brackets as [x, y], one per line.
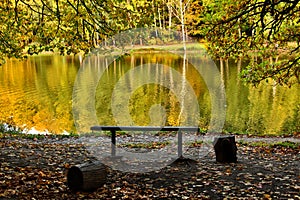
[145, 128]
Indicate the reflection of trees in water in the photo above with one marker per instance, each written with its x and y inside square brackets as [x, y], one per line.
[250, 109]
[260, 109]
[37, 93]
[160, 67]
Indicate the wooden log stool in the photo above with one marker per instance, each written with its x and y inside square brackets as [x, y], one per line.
[225, 149]
[87, 176]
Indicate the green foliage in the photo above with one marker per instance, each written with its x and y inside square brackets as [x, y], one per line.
[286, 144]
[196, 143]
[66, 27]
[261, 29]
[292, 125]
[5, 128]
[235, 29]
[283, 144]
[149, 145]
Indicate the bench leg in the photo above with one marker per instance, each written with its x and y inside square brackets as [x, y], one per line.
[179, 151]
[113, 143]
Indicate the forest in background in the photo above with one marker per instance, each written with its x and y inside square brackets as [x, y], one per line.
[248, 28]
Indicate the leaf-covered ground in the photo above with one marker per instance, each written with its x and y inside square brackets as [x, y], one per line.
[36, 169]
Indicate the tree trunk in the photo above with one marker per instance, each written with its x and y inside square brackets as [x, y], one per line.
[182, 13]
[170, 17]
[225, 149]
[87, 176]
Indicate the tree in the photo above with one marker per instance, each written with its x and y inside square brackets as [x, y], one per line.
[261, 29]
[179, 9]
[194, 19]
[256, 28]
[33, 26]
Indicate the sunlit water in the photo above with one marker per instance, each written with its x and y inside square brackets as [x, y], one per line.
[38, 93]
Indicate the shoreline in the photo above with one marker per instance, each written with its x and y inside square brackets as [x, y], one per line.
[243, 139]
[6, 128]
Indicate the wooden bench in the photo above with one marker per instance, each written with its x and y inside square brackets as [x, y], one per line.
[113, 130]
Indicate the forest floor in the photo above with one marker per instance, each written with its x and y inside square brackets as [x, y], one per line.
[36, 169]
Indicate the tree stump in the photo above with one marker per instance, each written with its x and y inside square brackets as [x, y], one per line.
[225, 149]
[87, 176]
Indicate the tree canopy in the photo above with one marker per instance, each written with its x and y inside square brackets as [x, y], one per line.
[255, 28]
[258, 29]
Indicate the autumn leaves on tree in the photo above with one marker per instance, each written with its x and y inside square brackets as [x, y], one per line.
[261, 30]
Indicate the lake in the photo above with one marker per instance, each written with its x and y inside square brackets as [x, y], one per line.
[49, 92]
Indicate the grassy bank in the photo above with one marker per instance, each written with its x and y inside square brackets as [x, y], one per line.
[284, 144]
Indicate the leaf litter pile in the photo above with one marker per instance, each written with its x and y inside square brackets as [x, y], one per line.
[36, 169]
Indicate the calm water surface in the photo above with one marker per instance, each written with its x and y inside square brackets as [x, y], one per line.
[38, 93]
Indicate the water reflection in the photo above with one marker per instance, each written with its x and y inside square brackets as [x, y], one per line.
[265, 109]
[38, 93]
[128, 88]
